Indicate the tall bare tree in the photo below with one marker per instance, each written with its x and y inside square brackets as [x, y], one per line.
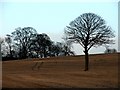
[89, 30]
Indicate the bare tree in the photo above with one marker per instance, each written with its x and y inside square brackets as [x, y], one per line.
[89, 30]
[41, 43]
[22, 37]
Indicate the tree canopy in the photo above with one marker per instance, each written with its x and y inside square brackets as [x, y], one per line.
[23, 36]
[27, 43]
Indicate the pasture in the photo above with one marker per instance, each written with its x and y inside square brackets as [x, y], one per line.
[62, 72]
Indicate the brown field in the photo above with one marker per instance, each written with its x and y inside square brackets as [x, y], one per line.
[62, 72]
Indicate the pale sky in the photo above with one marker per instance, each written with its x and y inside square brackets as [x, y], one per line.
[52, 17]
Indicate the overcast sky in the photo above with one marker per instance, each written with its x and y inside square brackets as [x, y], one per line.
[52, 17]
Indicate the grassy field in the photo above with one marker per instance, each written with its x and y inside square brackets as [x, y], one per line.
[62, 72]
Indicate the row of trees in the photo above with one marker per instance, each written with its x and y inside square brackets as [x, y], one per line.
[26, 42]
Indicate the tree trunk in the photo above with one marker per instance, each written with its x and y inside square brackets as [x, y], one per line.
[10, 52]
[24, 53]
[44, 52]
[86, 60]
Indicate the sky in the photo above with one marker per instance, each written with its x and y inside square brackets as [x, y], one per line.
[51, 17]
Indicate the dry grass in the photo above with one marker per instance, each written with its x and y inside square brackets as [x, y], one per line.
[62, 72]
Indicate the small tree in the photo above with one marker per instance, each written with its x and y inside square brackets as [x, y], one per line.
[8, 40]
[67, 47]
[55, 49]
[89, 30]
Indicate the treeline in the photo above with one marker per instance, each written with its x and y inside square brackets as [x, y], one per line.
[27, 43]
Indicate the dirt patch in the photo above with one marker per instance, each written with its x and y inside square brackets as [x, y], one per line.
[62, 72]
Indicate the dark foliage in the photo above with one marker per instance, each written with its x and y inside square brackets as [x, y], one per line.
[27, 43]
[22, 38]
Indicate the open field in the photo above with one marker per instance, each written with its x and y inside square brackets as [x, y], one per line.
[62, 72]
